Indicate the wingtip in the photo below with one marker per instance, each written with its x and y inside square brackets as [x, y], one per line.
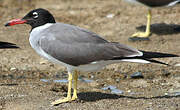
[6, 45]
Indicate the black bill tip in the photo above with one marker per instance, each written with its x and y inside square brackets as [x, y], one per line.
[7, 24]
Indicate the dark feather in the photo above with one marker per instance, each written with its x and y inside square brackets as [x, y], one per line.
[149, 55]
[5, 45]
[156, 3]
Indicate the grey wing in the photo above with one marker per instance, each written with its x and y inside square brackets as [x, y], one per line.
[69, 33]
[76, 46]
[84, 53]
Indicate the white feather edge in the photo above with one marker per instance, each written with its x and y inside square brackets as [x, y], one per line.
[173, 3]
[136, 60]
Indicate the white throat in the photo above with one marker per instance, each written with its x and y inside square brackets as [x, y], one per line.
[35, 37]
[35, 34]
[38, 29]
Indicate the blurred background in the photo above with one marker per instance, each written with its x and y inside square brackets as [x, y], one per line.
[27, 80]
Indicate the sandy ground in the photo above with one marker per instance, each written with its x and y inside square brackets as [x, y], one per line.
[22, 70]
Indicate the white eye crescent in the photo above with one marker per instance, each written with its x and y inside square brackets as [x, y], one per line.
[35, 15]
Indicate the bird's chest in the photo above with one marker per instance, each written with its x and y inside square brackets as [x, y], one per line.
[35, 39]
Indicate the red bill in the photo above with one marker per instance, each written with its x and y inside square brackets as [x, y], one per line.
[15, 21]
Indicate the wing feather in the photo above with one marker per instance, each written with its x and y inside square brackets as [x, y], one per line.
[77, 46]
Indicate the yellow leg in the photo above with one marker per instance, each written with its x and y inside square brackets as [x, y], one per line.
[147, 33]
[68, 98]
[75, 77]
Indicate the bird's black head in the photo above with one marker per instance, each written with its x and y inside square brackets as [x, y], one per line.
[38, 17]
[35, 18]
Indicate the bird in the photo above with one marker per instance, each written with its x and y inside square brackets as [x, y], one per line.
[150, 4]
[7, 45]
[76, 48]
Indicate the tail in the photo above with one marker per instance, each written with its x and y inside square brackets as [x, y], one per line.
[5, 45]
[157, 55]
[147, 57]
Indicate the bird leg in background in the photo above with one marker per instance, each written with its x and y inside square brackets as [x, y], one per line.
[147, 33]
[68, 98]
[75, 78]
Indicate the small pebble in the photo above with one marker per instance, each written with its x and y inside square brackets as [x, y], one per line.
[118, 80]
[110, 15]
[86, 80]
[176, 94]
[177, 64]
[60, 81]
[12, 69]
[92, 76]
[109, 87]
[117, 91]
[81, 78]
[137, 75]
[165, 93]
[113, 89]
[44, 80]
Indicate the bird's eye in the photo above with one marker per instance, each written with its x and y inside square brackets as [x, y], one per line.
[35, 15]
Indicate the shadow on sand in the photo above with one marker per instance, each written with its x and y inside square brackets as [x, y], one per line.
[95, 96]
[162, 28]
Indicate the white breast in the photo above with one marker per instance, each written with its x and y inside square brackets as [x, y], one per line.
[35, 37]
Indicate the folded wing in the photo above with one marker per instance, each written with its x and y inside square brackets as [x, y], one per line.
[77, 46]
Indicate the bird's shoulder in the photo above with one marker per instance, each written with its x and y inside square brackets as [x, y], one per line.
[71, 33]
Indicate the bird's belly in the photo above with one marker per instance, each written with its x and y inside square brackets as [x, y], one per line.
[96, 66]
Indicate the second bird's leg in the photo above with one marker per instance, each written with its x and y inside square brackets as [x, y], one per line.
[147, 32]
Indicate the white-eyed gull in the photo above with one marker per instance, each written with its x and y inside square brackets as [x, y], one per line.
[76, 48]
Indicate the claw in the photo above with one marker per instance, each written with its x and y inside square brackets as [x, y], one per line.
[141, 34]
[74, 97]
[61, 101]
